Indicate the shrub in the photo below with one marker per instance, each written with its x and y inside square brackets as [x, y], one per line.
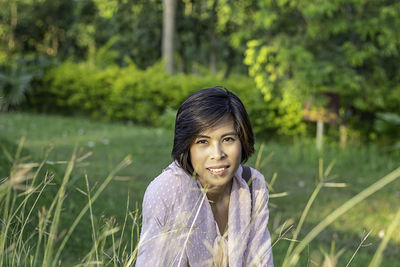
[146, 96]
[17, 76]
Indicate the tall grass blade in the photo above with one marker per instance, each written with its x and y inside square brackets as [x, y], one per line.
[133, 255]
[39, 188]
[19, 148]
[15, 177]
[124, 225]
[377, 259]
[307, 209]
[359, 246]
[259, 154]
[91, 219]
[302, 219]
[191, 228]
[120, 166]
[294, 257]
[48, 253]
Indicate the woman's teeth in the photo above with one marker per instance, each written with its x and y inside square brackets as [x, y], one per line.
[217, 170]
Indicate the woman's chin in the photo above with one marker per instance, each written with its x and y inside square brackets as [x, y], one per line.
[216, 181]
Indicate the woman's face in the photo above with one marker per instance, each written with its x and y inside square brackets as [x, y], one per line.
[216, 153]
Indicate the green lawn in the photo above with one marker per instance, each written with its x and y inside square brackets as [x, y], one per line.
[296, 166]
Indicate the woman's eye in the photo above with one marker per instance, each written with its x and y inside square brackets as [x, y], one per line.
[229, 139]
[201, 142]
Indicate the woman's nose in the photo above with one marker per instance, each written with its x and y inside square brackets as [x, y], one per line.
[217, 152]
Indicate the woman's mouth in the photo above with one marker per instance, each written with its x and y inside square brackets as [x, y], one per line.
[218, 171]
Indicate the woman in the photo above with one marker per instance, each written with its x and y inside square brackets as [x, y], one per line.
[200, 210]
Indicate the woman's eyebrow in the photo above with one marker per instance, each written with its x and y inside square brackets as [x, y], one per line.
[202, 136]
[206, 136]
[230, 133]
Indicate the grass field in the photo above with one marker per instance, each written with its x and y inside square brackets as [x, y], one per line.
[295, 165]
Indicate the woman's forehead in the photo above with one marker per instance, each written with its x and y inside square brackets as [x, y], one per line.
[225, 125]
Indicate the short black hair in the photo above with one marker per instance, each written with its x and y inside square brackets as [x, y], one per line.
[201, 111]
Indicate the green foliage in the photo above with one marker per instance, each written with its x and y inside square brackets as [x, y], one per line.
[291, 50]
[17, 77]
[387, 122]
[347, 47]
[41, 27]
[213, 29]
[167, 119]
[138, 96]
[14, 83]
[105, 56]
[77, 28]
[149, 96]
[388, 125]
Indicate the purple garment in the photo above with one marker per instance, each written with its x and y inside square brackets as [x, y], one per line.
[179, 227]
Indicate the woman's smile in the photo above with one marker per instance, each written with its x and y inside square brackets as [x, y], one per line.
[219, 171]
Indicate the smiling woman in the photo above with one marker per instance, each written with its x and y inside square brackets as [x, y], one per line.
[200, 210]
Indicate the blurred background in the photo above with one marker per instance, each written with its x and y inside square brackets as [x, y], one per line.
[320, 81]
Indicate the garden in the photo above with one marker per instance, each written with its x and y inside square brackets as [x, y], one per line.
[88, 100]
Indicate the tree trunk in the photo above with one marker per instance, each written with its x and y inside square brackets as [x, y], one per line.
[213, 53]
[13, 25]
[229, 62]
[213, 39]
[169, 7]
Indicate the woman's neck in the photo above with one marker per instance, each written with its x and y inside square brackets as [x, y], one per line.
[218, 193]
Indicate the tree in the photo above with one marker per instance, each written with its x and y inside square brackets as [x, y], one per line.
[348, 47]
[168, 34]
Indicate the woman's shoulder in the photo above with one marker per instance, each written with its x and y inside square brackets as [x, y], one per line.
[258, 179]
[256, 175]
[168, 183]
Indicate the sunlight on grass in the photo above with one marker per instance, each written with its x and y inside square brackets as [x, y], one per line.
[93, 227]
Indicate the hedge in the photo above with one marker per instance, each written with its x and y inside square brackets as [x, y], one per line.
[151, 97]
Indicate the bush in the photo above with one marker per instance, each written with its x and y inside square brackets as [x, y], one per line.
[150, 96]
[16, 78]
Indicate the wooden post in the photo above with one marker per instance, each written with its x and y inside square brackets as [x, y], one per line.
[343, 135]
[320, 134]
